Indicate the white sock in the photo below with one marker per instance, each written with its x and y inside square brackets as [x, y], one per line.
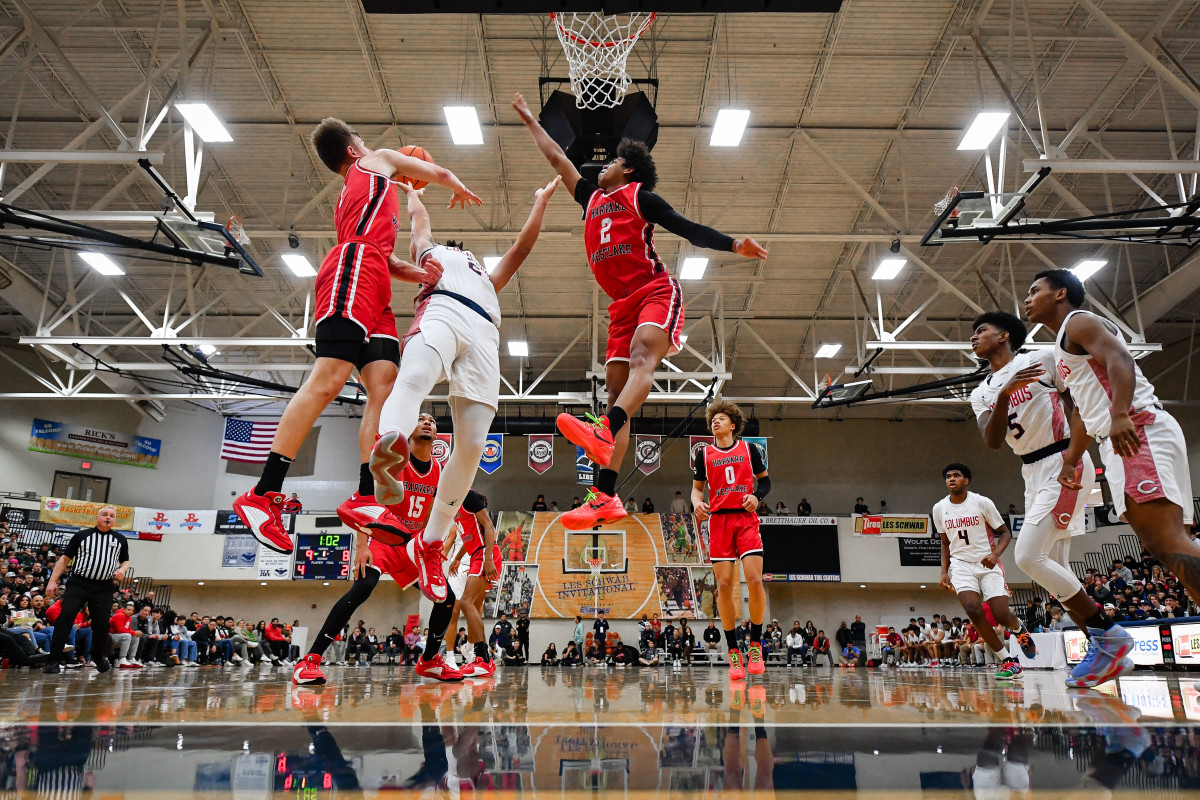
[1002, 653]
[471, 423]
[420, 371]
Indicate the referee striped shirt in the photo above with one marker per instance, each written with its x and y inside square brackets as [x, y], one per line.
[96, 554]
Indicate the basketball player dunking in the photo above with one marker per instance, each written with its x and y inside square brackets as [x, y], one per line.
[355, 326]
[1142, 446]
[645, 317]
[373, 558]
[730, 466]
[1019, 403]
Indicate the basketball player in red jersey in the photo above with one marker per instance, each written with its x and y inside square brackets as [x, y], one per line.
[355, 326]
[373, 558]
[483, 556]
[645, 318]
[730, 466]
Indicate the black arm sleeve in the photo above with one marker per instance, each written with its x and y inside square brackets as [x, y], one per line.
[699, 472]
[584, 190]
[655, 209]
[764, 487]
[474, 501]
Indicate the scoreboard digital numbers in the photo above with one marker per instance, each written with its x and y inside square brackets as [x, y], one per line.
[323, 557]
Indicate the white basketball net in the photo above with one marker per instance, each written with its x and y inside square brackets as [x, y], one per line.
[597, 47]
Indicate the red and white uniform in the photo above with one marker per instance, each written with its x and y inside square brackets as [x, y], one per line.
[471, 535]
[400, 561]
[969, 526]
[353, 281]
[732, 530]
[1039, 432]
[1160, 468]
[460, 319]
[620, 251]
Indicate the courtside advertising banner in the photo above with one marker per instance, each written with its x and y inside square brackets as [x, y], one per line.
[493, 453]
[648, 450]
[64, 439]
[694, 445]
[583, 468]
[240, 551]
[273, 566]
[892, 525]
[541, 452]
[441, 448]
[81, 513]
[157, 520]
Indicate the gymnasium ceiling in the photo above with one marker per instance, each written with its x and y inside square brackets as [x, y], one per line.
[855, 117]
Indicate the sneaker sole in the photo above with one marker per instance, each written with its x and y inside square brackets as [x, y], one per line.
[1122, 667]
[579, 439]
[384, 457]
[315, 682]
[572, 524]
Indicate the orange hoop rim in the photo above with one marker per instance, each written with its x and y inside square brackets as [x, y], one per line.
[580, 40]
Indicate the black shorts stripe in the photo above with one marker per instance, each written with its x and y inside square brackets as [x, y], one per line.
[648, 240]
[378, 192]
[675, 307]
[341, 293]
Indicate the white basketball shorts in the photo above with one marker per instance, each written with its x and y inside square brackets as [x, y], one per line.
[1159, 470]
[469, 347]
[967, 576]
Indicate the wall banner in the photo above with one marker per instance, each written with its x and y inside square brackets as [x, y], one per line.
[64, 439]
[441, 448]
[694, 445]
[541, 452]
[892, 525]
[493, 453]
[240, 552]
[583, 468]
[761, 441]
[648, 450]
[81, 513]
[157, 520]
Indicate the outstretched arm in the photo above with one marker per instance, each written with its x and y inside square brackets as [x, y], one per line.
[550, 149]
[657, 210]
[421, 238]
[1088, 332]
[389, 162]
[521, 249]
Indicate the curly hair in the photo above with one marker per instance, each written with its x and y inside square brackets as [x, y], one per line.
[637, 156]
[1006, 323]
[728, 409]
[957, 466]
[330, 139]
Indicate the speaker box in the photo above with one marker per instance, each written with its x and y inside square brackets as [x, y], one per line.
[590, 136]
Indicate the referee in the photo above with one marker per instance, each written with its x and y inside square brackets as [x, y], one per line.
[100, 556]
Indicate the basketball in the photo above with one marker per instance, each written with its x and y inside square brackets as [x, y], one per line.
[415, 152]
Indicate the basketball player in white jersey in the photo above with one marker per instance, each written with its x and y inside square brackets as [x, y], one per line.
[1020, 404]
[1142, 446]
[455, 337]
[973, 538]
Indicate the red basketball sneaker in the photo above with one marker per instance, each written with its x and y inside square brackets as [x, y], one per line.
[308, 671]
[593, 436]
[736, 671]
[262, 514]
[754, 660]
[430, 575]
[437, 668]
[388, 457]
[597, 509]
[478, 668]
[361, 511]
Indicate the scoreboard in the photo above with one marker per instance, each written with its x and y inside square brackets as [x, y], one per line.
[323, 556]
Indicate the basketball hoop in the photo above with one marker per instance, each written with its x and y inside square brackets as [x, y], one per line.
[234, 226]
[945, 202]
[597, 47]
[595, 564]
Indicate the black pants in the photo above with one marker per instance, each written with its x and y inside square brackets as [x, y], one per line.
[98, 597]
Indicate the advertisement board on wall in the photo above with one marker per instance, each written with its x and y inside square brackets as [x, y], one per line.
[1147, 647]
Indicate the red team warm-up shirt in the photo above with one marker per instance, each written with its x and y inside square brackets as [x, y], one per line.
[620, 242]
[730, 474]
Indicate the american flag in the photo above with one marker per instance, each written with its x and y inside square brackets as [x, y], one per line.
[247, 441]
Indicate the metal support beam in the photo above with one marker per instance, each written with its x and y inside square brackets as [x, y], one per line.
[1134, 347]
[1097, 165]
[77, 157]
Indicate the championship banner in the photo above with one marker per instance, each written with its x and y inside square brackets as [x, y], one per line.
[694, 445]
[493, 453]
[157, 520]
[893, 525]
[541, 452]
[64, 439]
[761, 441]
[649, 452]
[441, 448]
[583, 468]
[82, 513]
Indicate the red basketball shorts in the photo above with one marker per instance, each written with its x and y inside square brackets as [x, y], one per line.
[398, 561]
[658, 303]
[477, 563]
[354, 283]
[733, 535]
